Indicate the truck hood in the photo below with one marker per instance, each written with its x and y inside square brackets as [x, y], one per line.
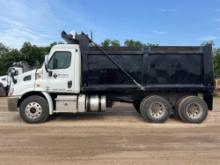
[27, 76]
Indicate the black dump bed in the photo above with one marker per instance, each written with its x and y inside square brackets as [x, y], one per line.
[160, 68]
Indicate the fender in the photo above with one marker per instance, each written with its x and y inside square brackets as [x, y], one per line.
[50, 102]
[44, 94]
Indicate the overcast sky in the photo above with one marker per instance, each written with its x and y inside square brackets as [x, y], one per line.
[166, 22]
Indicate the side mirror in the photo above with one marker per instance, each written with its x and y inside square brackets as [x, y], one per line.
[15, 73]
[13, 79]
[46, 61]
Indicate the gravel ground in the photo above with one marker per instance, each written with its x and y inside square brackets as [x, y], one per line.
[118, 136]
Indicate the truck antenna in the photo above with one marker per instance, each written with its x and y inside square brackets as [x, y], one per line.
[91, 35]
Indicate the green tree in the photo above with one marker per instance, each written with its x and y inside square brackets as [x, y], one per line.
[3, 50]
[133, 43]
[33, 54]
[7, 57]
[151, 45]
[106, 43]
[115, 43]
[216, 61]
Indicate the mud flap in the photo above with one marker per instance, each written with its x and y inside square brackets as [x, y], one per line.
[209, 100]
[12, 104]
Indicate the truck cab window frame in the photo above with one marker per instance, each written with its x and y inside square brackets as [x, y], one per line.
[63, 60]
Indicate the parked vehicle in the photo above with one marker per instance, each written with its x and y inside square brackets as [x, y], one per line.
[5, 81]
[82, 77]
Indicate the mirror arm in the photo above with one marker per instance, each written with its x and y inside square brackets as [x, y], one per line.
[46, 68]
[46, 63]
[13, 79]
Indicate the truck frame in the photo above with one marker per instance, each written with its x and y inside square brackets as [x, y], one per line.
[81, 76]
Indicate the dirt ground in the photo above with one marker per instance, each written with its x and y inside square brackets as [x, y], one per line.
[118, 136]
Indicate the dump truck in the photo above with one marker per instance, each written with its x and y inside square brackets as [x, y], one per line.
[80, 77]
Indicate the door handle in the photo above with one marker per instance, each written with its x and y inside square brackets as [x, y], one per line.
[69, 84]
[55, 75]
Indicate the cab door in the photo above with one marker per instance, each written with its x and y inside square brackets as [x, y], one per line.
[61, 72]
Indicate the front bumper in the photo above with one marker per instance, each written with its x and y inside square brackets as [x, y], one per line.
[12, 103]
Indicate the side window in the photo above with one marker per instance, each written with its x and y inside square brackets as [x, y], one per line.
[60, 60]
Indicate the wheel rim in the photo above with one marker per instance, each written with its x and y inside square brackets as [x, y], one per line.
[157, 110]
[33, 110]
[194, 111]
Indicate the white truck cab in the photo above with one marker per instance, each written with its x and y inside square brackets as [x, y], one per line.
[59, 74]
[54, 87]
[61, 71]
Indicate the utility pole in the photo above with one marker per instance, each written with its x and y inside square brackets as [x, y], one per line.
[91, 35]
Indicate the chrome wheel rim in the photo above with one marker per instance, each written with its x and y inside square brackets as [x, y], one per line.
[194, 110]
[33, 110]
[157, 109]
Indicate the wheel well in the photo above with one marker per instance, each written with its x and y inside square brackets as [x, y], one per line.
[29, 94]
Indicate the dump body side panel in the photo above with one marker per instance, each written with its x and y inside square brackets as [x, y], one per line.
[157, 69]
[103, 72]
[173, 69]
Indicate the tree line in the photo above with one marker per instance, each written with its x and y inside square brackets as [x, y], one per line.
[127, 43]
[34, 55]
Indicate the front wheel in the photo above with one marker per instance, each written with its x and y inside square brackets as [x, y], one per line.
[34, 109]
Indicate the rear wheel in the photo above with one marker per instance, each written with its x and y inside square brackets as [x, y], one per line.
[176, 112]
[192, 109]
[155, 109]
[34, 109]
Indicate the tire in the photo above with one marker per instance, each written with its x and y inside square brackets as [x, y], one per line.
[151, 105]
[34, 109]
[2, 91]
[176, 112]
[192, 109]
[136, 105]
